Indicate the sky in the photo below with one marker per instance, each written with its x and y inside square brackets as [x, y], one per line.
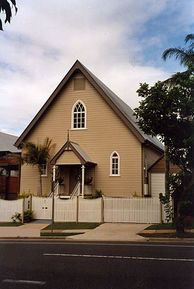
[121, 42]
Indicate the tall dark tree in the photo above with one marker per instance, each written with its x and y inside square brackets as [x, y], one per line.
[185, 56]
[167, 110]
[6, 9]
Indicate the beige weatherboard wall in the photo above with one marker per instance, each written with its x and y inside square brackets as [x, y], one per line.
[106, 131]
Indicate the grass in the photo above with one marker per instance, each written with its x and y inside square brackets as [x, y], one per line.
[57, 234]
[168, 226]
[66, 226]
[157, 231]
[10, 224]
[165, 226]
[71, 226]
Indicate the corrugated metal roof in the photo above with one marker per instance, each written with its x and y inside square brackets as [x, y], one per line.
[81, 152]
[126, 110]
[7, 143]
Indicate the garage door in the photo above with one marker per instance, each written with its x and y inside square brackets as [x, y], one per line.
[157, 184]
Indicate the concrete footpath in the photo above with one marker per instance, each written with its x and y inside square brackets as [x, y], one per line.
[112, 232]
[104, 232]
[30, 230]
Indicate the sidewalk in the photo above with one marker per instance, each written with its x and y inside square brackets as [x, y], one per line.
[105, 232]
[115, 232]
[30, 230]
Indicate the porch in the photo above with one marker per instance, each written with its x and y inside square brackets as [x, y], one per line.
[73, 172]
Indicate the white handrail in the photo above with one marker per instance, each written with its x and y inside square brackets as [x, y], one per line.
[56, 190]
[76, 191]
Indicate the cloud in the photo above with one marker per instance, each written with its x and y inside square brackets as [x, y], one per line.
[115, 40]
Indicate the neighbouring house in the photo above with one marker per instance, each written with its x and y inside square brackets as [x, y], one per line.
[156, 174]
[9, 167]
[98, 144]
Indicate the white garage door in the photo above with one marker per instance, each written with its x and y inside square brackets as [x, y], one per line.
[157, 184]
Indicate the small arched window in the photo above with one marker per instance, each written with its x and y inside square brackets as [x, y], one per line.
[79, 115]
[115, 164]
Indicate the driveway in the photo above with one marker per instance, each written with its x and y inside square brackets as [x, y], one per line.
[112, 232]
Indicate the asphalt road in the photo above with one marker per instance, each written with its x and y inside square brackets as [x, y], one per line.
[58, 265]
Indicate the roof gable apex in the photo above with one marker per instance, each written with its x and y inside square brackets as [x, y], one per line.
[76, 149]
[122, 110]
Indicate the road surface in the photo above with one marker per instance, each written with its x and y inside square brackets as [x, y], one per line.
[59, 265]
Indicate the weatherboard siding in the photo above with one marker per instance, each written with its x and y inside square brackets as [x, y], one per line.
[104, 133]
[68, 157]
[29, 183]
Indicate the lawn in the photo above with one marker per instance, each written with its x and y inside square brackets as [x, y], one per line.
[46, 232]
[167, 230]
[71, 226]
[10, 224]
[168, 226]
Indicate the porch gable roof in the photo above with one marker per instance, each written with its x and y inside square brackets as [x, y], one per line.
[77, 150]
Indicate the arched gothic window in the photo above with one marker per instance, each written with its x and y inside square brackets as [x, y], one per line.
[115, 164]
[79, 115]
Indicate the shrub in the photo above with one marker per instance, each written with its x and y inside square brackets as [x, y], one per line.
[28, 216]
[17, 218]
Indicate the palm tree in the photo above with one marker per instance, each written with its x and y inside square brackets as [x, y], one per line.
[184, 55]
[37, 155]
[5, 7]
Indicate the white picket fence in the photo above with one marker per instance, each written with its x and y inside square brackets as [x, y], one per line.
[106, 209]
[9, 208]
[90, 210]
[134, 210]
[65, 210]
[42, 208]
[119, 210]
[68, 210]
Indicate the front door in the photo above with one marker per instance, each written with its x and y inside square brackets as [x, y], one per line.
[69, 176]
[74, 177]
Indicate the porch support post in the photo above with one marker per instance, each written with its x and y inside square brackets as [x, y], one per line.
[83, 179]
[54, 173]
[53, 198]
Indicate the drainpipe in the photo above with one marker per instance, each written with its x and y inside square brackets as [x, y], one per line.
[83, 178]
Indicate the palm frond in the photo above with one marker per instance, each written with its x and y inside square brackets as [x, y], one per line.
[189, 37]
[36, 154]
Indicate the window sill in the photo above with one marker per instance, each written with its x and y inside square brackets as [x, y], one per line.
[114, 175]
[84, 128]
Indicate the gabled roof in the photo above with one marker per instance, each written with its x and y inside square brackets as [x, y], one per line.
[120, 107]
[7, 143]
[78, 151]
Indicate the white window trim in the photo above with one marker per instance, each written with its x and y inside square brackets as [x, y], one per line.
[72, 116]
[45, 175]
[119, 163]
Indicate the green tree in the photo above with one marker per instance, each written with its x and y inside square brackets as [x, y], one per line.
[165, 112]
[37, 155]
[185, 56]
[6, 9]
